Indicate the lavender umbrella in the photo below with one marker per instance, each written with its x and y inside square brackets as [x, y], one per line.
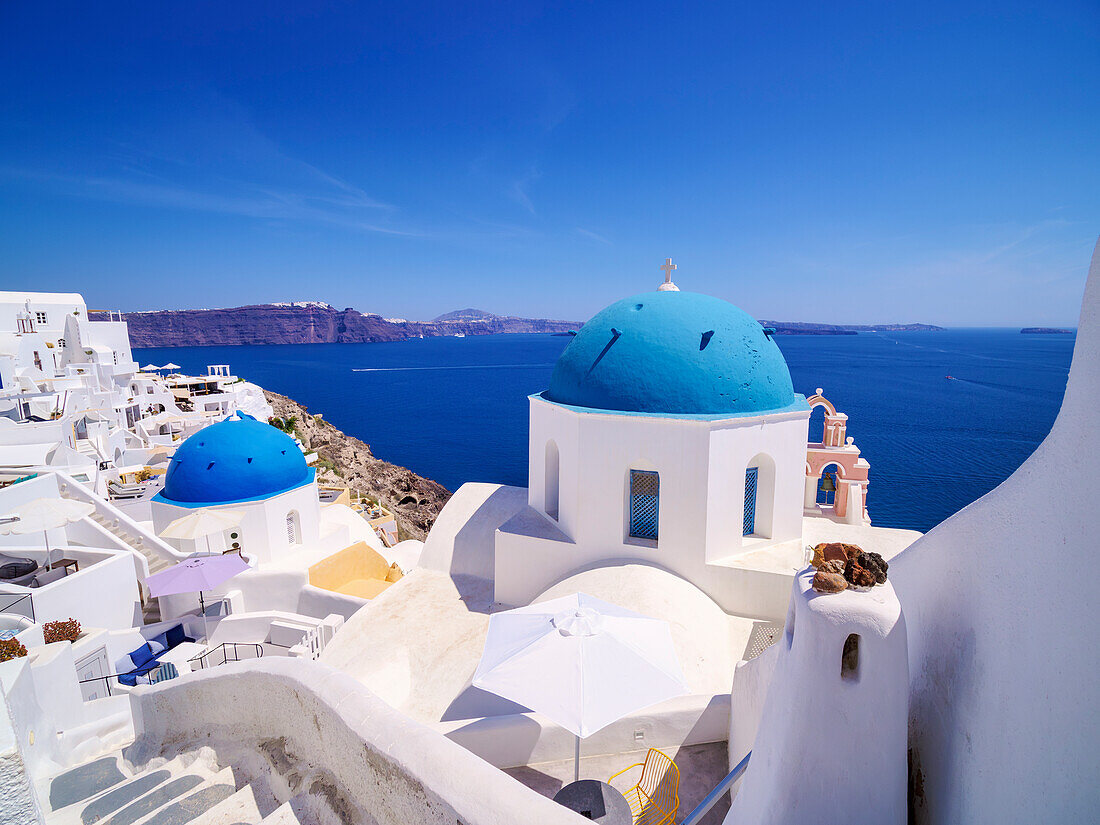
[196, 575]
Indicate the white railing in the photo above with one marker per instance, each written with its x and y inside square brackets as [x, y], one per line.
[311, 645]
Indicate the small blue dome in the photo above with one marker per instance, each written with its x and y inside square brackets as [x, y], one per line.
[673, 353]
[238, 459]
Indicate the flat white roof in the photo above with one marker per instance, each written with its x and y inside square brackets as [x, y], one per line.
[26, 455]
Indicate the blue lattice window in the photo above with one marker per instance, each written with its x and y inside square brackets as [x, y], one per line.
[645, 495]
[748, 520]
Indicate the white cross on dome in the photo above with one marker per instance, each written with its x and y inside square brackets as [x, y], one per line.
[668, 286]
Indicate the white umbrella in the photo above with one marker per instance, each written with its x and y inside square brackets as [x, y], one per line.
[581, 661]
[203, 522]
[171, 366]
[45, 514]
[150, 368]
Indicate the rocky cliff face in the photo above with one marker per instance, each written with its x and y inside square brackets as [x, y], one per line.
[347, 461]
[309, 322]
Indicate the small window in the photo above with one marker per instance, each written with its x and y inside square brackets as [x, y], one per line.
[40, 317]
[293, 535]
[849, 659]
[61, 343]
[748, 515]
[550, 480]
[645, 493]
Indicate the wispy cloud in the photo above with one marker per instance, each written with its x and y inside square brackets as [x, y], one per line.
[343, 207]
[212, 158]
[588, 233]
[518, 190]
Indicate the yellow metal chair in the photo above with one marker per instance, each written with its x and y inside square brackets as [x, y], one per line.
[655, 799]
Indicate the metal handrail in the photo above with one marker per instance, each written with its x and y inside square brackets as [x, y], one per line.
[26, 596]
[201, 658]
[173, 673]
[704, 807]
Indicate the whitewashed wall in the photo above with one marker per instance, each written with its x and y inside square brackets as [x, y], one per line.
[1003, 629]
[383, 767]
[702, 475]
[702, 487]
[831, 747]
[263, 529]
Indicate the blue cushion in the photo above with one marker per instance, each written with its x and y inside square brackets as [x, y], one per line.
[131, 678]
[174, 636]
[142, 656]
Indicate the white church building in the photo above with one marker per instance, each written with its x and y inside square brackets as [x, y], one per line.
[256, 470]
[670, 435]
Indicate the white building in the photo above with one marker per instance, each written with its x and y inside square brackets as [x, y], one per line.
[254, 469]
[670, 435]
[72, 397]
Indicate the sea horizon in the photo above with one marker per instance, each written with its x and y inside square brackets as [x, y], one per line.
[455, 409]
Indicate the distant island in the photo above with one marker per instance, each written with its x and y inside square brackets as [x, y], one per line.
[1046, 331]
[801, 328]
[311, 322]
[315, 322]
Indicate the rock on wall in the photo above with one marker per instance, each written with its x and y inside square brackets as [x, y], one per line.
[1004, 719]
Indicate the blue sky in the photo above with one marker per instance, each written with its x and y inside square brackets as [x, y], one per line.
[933, 162]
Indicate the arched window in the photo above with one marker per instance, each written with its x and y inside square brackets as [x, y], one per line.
[817, 425]
[550, 480]
[645, 497]
[748, 517]
[759, 503]
[293, 528]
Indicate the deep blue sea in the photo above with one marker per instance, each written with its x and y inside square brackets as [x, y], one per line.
[455, 409]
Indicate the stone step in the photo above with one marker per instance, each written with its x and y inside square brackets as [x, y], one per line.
[94, 807]
[85, 781]
[283, 815]
[163, 794]
[192, 798]
[211, 793]
[245, 807]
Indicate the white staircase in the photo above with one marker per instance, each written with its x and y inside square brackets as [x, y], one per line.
[189, 789]
[156, 561]
[117, 525]
[84, 446]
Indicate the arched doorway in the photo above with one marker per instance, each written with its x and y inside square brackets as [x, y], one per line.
[827, 485]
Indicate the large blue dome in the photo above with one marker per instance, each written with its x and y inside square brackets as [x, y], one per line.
[673, 353]
[238, 459]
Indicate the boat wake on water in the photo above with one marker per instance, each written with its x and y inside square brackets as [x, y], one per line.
[456, 367]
